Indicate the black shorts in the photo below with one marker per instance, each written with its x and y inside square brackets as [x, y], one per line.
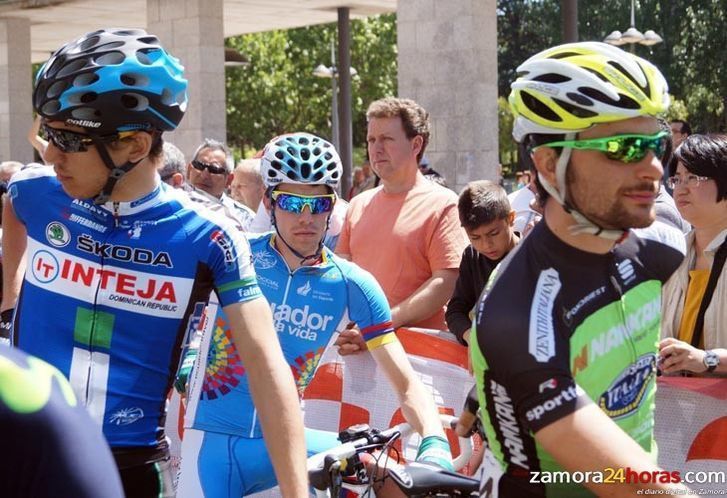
[148, 480]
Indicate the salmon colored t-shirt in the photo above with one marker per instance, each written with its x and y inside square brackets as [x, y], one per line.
[403, 238]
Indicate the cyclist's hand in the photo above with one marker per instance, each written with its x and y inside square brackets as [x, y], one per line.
[435, 449]
[350, 341]
[466, 423]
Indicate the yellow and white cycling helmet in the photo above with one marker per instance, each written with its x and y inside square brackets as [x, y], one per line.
[572, 87]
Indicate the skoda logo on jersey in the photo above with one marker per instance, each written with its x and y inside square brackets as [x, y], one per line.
[263, 260]
[304, 289]
[57, 234]
[627, 392]
[626, 271]
[126, 416]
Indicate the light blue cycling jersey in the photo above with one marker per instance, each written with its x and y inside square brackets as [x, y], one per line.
[110, 292]
[309, 305]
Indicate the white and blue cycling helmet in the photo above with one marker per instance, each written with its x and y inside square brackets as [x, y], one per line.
[300, 158]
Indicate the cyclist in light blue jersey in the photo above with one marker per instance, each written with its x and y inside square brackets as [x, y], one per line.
[118, 266]
[312, 293]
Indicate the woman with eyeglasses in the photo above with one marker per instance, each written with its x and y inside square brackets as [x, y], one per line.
[694, 325]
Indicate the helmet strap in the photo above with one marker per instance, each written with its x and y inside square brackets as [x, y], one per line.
[116, 172]
[560, 194]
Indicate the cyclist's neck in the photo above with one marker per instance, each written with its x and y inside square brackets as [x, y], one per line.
[291, 259]
[137, 183]
[560, 223]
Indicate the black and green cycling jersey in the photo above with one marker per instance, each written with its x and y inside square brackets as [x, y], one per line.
[50, 446]
[558, 328]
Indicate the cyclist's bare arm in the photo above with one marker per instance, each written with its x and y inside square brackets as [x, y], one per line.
[429, 297]
[416, 403]
[587, 440]
[14, 244]
[273, 392]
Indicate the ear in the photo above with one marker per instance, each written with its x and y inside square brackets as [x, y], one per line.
[545, 160]
[416, 144]
[177, 180]
[139, 145]
[228, 182]
[511, 218]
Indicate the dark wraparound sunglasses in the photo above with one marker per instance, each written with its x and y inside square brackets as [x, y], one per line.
[72, 141]
[212, 168]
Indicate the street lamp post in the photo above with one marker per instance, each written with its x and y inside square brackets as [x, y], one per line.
[323, 71]
[632, 35]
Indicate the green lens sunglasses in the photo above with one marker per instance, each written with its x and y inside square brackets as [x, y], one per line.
[624, 148]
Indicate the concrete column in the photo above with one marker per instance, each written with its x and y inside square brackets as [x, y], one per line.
[193, 31]
[15, 90]
[448, 64]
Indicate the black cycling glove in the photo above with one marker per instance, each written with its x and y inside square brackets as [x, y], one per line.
[6, 326]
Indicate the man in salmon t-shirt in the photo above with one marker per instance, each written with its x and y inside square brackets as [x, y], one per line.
[406, 232]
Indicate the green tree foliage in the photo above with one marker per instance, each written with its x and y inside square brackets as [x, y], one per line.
[691, 55]
[277, 93]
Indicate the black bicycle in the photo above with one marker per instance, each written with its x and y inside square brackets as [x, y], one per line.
[367, 457]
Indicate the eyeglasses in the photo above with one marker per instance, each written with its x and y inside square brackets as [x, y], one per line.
[212, 168]
[623, 148]
[689, 180]
[294, 203]
[72, 141]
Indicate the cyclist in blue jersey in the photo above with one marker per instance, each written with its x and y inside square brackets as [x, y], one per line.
[119, 266]
[313, 293]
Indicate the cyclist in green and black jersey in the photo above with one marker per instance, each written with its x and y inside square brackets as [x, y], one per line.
[566, 330]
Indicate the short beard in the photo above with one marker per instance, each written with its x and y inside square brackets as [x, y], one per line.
[616, 217]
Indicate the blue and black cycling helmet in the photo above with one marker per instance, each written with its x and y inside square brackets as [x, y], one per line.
[300, 158]
[112, 80]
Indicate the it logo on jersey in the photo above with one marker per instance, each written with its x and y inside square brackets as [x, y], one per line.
[627, 392]
[57, 234]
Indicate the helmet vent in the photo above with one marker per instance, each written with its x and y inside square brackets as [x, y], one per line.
[149, 40]
[136, 79]
[579, 99]
[621, 70]
[88, 97]
[56, 89]
[71, 68]
[50, 108]
[327, 156]
[317, 151]
[134, 101]
[85, 79]
[552, 78]
[89, 42]
[318, 164]
[317, 177]
[305, 170]
[331, 166]
[305, 154]
[110, 59]
[334, 175]
[575, 110]
[624, 101]
[279, 154]
[539, 108]
[563, 55]
[277, 165]
[291, 151]
[143, 58]
[303, 141]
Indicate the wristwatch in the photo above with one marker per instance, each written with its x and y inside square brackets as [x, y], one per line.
[711, 360]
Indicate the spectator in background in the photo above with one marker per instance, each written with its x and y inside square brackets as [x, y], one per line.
[172, 171]
[666, 210]
[8, 169]
[522, 200]
[39, 143]
[695, 298]
[357, 184]
[486, 216]
[406, 231]
[370, 177]
[210, 171]
[680, 130]
[247, 183]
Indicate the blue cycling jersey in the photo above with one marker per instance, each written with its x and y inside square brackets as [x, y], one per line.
[309, 305]
[110, 292]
